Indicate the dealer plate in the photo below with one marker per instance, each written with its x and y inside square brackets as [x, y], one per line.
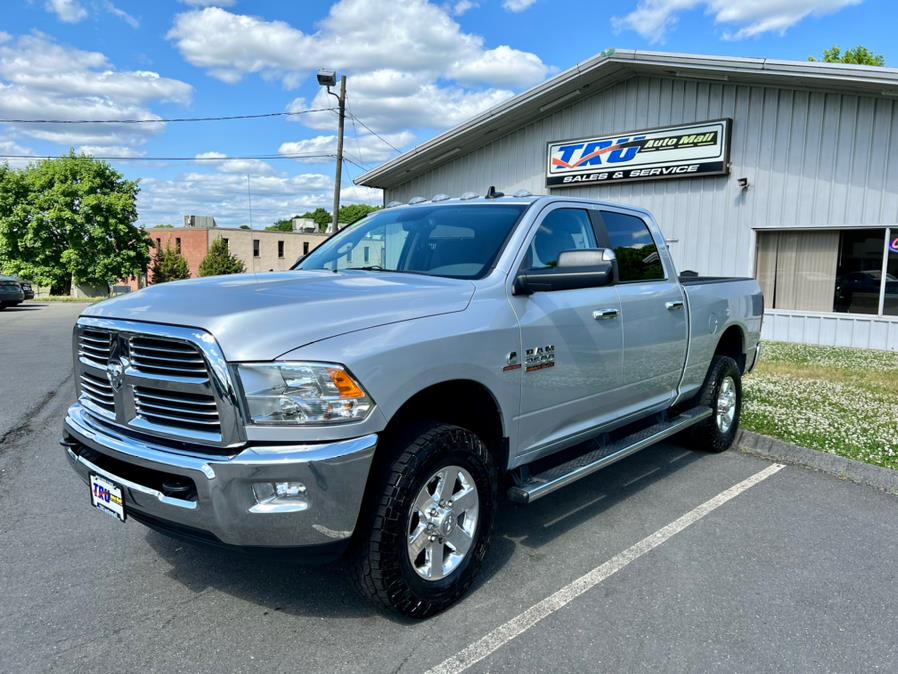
[107, 497]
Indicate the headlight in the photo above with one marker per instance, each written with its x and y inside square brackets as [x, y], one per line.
[302, 393]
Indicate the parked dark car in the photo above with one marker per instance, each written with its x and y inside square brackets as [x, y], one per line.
[10, 292]
[27, 289]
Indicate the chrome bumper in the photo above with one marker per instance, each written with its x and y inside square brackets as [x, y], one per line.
[223, 503]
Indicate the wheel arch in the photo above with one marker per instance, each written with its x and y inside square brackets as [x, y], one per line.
[732, 344]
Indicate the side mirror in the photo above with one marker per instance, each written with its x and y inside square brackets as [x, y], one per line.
[586, 268]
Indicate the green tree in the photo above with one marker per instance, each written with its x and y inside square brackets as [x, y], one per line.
[859, 56]
[164, 227]
[245, 227]
[281, 226]
[355, 212]
[220, 261]
[168, 265]
[70, 218]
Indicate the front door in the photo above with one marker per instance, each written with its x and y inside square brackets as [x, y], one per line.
[653, 313]
[571, 341]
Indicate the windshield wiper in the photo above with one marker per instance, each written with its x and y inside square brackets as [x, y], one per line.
[370, 267]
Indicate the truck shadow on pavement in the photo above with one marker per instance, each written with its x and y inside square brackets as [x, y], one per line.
[280, 583]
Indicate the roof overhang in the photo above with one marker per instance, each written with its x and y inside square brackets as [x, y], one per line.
[609, 68]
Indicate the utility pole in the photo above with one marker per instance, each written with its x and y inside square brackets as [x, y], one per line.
[339, 172]
[249, 194]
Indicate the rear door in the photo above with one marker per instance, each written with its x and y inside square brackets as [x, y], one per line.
[571, 341]
[653, 313]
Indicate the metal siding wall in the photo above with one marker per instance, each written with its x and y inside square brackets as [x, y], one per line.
[813, 159]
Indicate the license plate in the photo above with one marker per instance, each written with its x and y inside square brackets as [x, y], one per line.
[107, 497]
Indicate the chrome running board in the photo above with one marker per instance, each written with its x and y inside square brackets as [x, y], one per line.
[541, 484]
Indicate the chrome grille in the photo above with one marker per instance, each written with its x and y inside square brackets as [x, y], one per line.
[165, 381]
[98, 392]
[95, 345]
[177, 409]
[166, 357]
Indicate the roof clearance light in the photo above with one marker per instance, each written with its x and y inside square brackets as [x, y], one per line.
[440, 197]
[393, 204]
[416, 200]
[523, 193]
[469, 195]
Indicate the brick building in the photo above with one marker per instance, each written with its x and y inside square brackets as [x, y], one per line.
[260, 251]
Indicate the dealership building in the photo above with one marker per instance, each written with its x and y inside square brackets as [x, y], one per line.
[782, 170]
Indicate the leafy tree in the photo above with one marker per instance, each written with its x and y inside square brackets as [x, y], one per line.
[355, 212]
[220, 261]
[164, 227]
[281, 226]
[859, 56]
[70, 218]
[321, 216]
[245, 227]
[169, 265]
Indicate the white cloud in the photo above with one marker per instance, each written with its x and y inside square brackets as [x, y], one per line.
[652, 19]
[210, 3]
[391, 101]
[461, 7]
[109, 150]
[68, 11]
[121, 14]
[365, 149]
[225, 197]
[517, 6]
[40, 79]
[412, 67]
[10, 147]
[252, 167]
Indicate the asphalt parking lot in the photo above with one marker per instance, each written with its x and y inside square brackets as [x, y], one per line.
[790, 571]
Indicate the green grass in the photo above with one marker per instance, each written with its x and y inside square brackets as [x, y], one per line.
[67, 298]
[837, 400]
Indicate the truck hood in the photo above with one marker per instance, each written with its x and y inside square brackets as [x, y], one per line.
[261, 316]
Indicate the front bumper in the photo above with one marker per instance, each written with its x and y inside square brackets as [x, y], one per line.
[221, 504]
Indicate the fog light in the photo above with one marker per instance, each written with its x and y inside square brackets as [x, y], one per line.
[279, 497]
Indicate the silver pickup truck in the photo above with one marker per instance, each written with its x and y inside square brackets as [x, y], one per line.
[374, 400]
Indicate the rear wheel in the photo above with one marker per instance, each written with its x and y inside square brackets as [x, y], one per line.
[722, 392]
[432, 524]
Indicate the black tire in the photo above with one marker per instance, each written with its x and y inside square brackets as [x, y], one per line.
[382, 570]
[708, 435]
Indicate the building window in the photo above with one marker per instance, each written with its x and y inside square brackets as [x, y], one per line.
[158, 243]
[852, 271]
[256, 247]
[305, 247]
[178, 243]
[367, 253]
[227, 244]
[280, 249]
[634, 247]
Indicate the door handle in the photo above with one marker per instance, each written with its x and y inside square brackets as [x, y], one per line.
[673, 306]
[604, 314]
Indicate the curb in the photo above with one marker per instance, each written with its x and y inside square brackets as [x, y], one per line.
[884, 479]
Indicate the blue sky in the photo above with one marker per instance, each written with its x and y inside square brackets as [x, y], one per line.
[415, 68]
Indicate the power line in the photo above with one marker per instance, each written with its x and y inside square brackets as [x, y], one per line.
[265, 157]
[161, 120]
[373, 132]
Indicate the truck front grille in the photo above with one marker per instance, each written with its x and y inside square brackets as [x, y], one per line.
[166, 357]
[95, 345]
[176, 409]
[98, 392]
[157, 380]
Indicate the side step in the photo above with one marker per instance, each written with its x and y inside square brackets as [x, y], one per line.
[559, 476]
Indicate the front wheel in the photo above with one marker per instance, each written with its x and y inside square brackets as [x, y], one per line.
[432, 524]
[722, 392]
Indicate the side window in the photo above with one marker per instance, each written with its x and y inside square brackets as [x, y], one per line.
[637, 254]
[562, 229]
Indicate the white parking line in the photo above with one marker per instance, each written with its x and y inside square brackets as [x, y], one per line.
[523, 622]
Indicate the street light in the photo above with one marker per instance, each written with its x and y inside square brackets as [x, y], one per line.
[328, 79]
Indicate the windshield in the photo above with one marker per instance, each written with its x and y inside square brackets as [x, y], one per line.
[457, 241]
